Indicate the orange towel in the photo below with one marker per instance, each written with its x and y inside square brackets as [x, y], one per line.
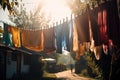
[15, 35]
[33, 40]
[75, 41]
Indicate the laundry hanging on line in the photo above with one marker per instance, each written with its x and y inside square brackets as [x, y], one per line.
[15, 32]
[33, 40]
[49, 40]
[102, 29]
[7, 37]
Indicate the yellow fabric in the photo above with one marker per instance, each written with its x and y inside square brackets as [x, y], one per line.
[97, 52]
[15, 35]
[75, 38]
[1, 31]
[33, 40]
[81, 49]
[75, 41]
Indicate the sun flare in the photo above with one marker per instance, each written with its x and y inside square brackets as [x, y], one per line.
[57, 9]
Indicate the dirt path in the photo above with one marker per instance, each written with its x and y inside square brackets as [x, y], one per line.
[70, 76]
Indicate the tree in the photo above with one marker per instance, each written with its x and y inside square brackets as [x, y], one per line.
[34, 20]
[80, 6]
[94, 69]
[10, 5]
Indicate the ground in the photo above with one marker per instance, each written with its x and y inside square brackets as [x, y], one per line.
[68, 75]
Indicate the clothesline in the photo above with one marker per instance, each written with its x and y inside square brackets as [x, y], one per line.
[49, 26]
[71, 35]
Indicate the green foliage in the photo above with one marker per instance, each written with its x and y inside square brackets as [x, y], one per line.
[21, 19]
[92, 65]
[84, 72]
[30, 20]
[79, 7]
[9, 5]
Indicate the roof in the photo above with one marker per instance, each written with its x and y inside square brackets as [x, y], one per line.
[14, 49]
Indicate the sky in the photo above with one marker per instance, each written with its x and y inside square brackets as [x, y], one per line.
[56, 8]
[30, 5]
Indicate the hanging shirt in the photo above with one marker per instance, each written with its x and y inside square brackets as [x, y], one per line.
[70, 26]
[94, 26]
[15, 35]
[82, 25]
[75, 41]
[67, 35]
[75, 38]
[49, 40]
[33, 40]
[58, 37]
[6, 36]
[113, 21]
[81, 34]
[63, 37]
[102, 24]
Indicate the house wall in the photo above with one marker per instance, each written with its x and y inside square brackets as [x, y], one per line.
[24, 68]
[12, 67]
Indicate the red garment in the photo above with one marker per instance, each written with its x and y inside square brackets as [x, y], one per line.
[102, 23]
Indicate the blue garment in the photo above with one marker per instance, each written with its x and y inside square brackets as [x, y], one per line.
[6, 37]
[70, 26]
[63, 34]
[58, 36]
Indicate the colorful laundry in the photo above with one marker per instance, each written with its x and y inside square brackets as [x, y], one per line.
[49, 40]
[6, 36]
[33, 40]
[82, 26]
[15, 32]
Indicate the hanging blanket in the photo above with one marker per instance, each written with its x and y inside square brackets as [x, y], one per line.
[33, 40]
[49, 40]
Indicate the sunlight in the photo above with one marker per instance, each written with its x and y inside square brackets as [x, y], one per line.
[56, 9]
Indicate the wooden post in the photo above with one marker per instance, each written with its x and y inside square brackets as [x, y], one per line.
[18, 65]
[5, 53]
[5, 64]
